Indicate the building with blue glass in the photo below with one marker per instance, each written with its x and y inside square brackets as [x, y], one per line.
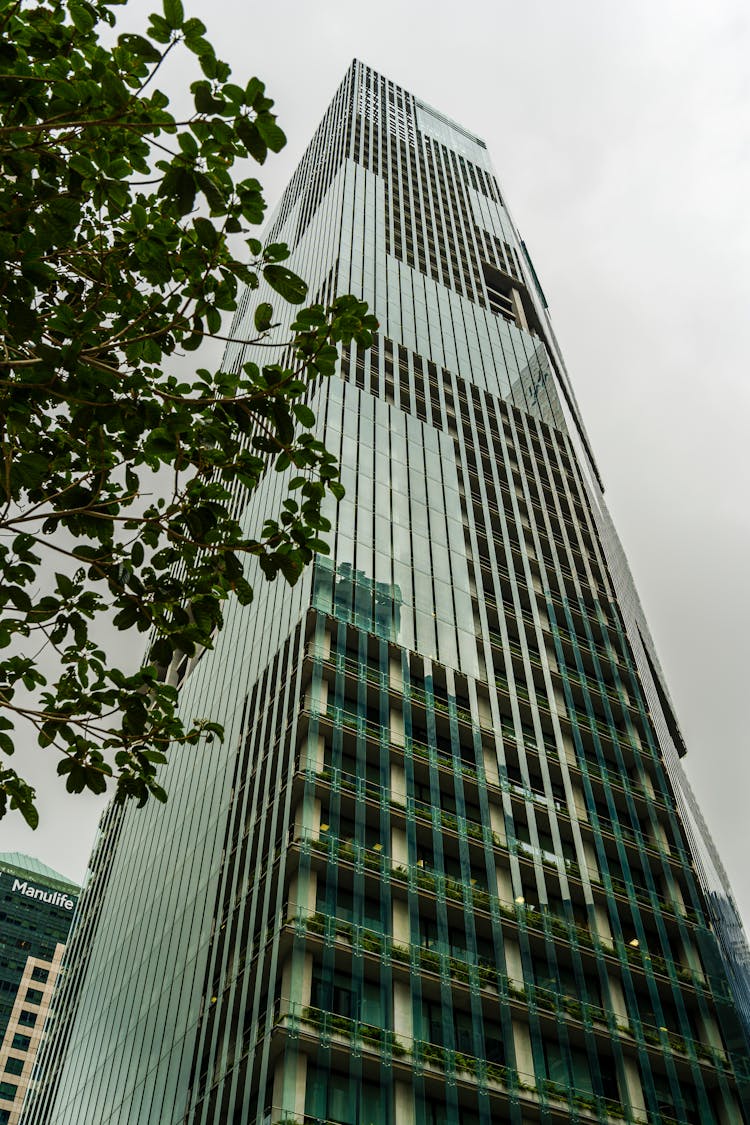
[438, 872]
[36, 911]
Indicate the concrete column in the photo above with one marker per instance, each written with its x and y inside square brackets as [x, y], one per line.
[711, 1034]
[403, 1099]
[513, 963]
[312, 753]
[634, 1088]
[504, 885]
[579, 805]
[398, 784]
[591, 864]
[399, 848]
[602, 925]
[672, 892]
[397, 728]
[320, 647]
[303, 893]
[648, 785]
[307, 818]
[524, 1056]
[296, 983]
[403, 1023]
[691, 959]
[617, 1000]
[485, 711]
[316, 697]
[569, 748]
[401, 923]
[518, 309]
[289, 1087]
[497, 820]
[490, 765]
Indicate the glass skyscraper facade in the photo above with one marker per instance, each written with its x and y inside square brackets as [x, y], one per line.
[438, 872]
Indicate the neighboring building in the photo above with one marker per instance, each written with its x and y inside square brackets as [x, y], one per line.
[730, 933]
[437, 873]
[36, 910]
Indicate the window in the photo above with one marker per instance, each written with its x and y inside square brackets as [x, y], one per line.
[13, 1066]
[336, 1099]
[27, 1019]
[341, 904]
[570, 1067]
[436, 1114]
[457, 945]
[34, 996]
[338, 994]
[666, 1101]
[8, 1090]
[40, 974]
[434, 1030]
[21, 1042]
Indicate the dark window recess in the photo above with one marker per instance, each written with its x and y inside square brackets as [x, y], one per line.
[508, 297]
[500, 293]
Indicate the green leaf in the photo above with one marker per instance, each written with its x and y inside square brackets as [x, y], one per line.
[193, 27]
[248, 133]
[287, 284]
[82, 16]
[276, 252]
[253, 91]
[114, 88]
[270, 131]
[207, 232]
[263, 315]
[30, 469]
[29, 813]
[202, 97]
[188, 144]
[159, 28]
[179, 182]
[174, 13]
[141, 47]
[304, 414]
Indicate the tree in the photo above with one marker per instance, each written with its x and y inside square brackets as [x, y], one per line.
[118, 224]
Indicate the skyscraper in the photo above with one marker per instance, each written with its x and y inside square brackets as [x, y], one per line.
[438, 872]
[36, 911]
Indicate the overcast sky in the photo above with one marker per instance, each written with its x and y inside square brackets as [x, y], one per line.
[621, 137]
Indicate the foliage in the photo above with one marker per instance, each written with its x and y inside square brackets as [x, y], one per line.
[118, 229]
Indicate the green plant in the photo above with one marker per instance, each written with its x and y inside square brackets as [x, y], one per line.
[125, 236]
